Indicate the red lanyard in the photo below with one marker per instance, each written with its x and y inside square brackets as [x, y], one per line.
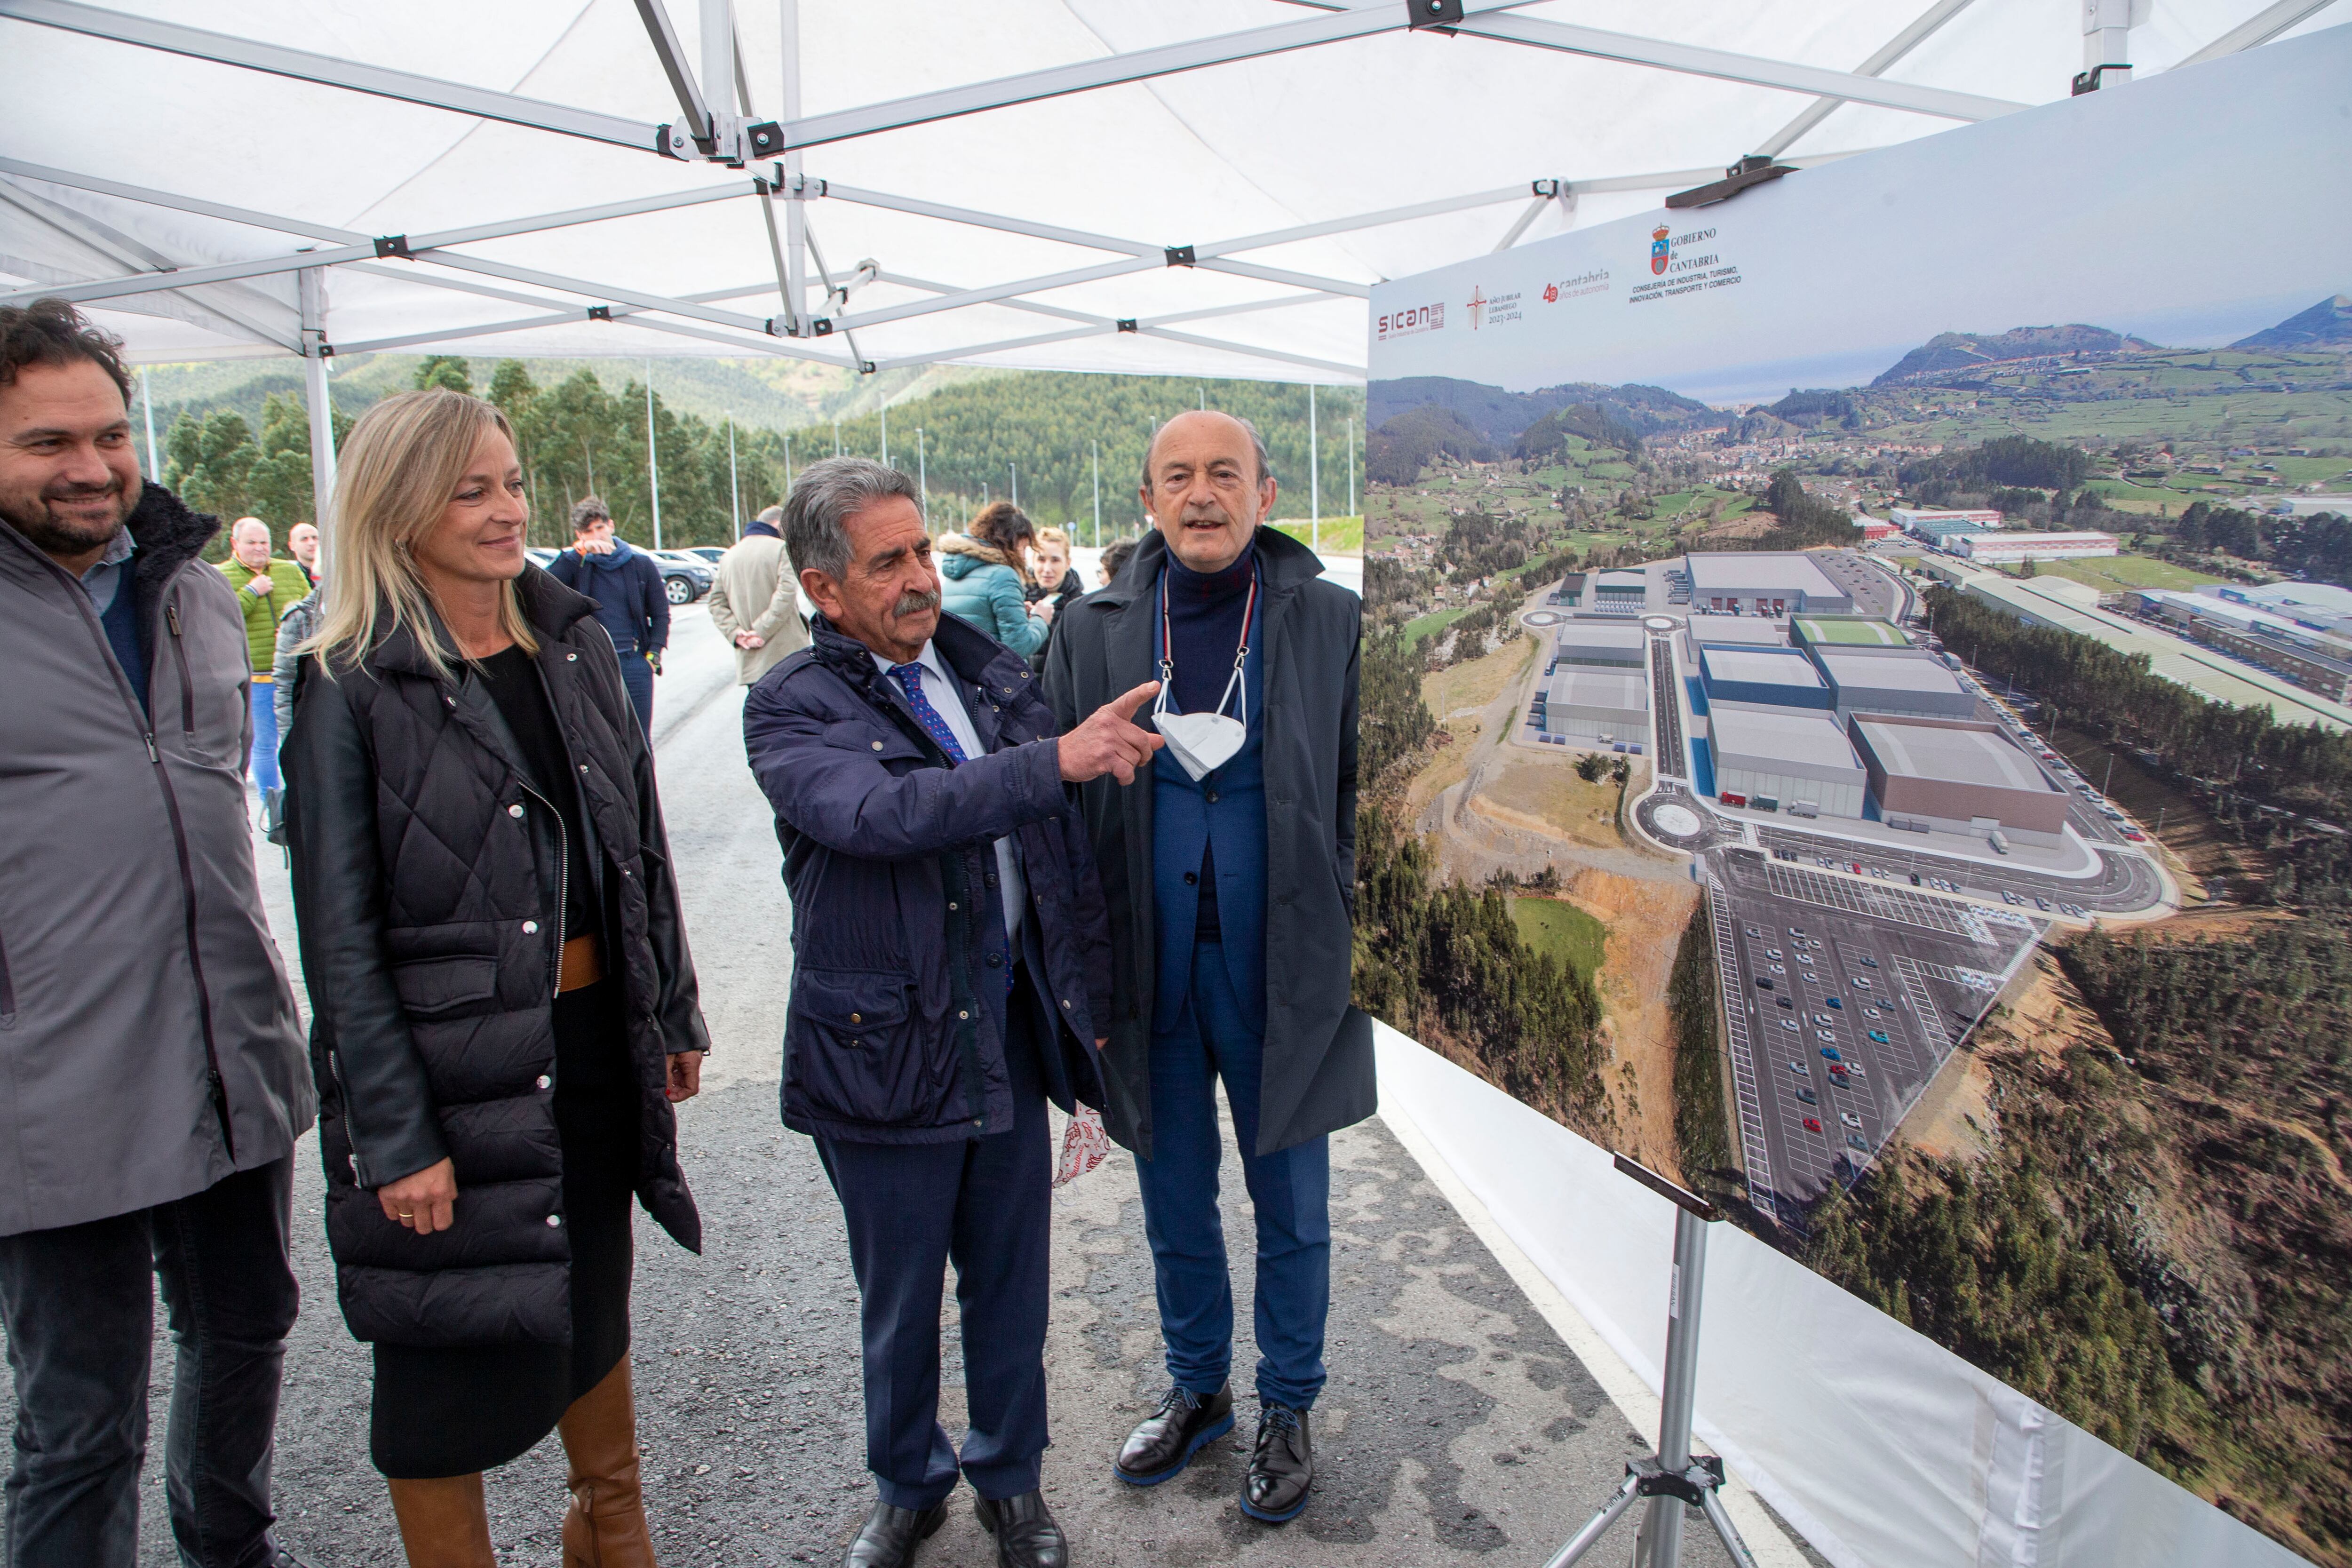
[1168, 637]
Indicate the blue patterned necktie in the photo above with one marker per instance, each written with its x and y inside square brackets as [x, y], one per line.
[909, 678]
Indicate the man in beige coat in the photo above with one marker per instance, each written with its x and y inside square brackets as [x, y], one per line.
[752, 599]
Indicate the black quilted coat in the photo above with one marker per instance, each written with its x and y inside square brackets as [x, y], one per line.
[428, 892]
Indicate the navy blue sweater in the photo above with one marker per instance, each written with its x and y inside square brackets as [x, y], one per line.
[1205, 611]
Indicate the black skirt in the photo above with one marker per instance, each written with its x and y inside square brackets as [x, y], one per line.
[454, 1411]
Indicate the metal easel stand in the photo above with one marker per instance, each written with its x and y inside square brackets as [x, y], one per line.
[1670, 1478]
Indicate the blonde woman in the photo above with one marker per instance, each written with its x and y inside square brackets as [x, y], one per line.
[1053, 579]
[504, 1009]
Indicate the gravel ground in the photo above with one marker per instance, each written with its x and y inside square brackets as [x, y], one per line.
[1456, 1426]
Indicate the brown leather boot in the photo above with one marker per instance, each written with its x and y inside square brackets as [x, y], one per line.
[442, 1524]
[605, 1525]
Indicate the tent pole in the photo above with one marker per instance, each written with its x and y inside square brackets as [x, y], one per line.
[1015, 469]
[1098, 446]
[147, 401]
[1352, 467]
[788, 18]
[311, 296]
[923, 474]
[886, 435]
[788, 462]
[653, 454]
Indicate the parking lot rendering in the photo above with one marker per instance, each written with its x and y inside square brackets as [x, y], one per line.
[1840, 1001]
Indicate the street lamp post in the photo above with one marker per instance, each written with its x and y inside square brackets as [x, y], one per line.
[653, 456]
[734, 480]
[1314, 475]
[1097, 446]
[922, 472]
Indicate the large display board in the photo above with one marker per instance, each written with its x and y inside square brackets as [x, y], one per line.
[1855, 716]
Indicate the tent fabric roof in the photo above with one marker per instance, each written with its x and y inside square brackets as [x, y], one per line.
[127, 157]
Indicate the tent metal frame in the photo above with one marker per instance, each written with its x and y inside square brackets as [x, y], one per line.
[717, 124]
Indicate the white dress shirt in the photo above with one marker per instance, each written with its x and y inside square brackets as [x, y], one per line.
[942, 691]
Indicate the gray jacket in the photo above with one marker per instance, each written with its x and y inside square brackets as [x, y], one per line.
[294, 629]
[147, 1032]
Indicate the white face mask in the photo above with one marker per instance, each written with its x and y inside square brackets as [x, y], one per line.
[1203, 743]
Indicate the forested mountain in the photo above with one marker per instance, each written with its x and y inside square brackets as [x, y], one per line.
[970, 436]
[1548, 436]
[1948, 351]
[1499, 417]
[1399, 449]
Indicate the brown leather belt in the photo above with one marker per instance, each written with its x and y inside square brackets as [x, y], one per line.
[583, 964]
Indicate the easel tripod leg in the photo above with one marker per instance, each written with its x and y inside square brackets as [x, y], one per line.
[1584, 1540]
[1725, 1530]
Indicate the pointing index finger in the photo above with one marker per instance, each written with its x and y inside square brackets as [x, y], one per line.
[1125, 706]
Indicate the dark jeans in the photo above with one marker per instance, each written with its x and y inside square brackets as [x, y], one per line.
[638, 675]
[1290, 1191]
[79, 1305]
[986, 1205]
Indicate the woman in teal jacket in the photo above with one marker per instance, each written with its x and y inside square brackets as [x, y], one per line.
[983, 572]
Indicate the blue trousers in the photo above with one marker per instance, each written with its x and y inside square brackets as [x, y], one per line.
[984, 1204]
[1290, 1191]
[262, 764]
[637, 675]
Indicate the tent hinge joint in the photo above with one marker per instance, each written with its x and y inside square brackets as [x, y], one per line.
[392, 245]
[600, 312]
[1544, 190]
[1127, 324]
[1180, 255]
[1432, 16]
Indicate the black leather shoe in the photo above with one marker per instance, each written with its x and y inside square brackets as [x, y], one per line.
[1282, 1469]
[1026, 1535]
[889, 1535]
[1183, 1425]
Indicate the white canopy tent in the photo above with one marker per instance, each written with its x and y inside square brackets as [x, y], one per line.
[1208, 189]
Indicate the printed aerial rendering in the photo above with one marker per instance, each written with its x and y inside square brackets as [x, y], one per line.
[1914, 815]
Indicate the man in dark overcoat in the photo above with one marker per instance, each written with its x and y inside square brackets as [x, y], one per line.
[950, 968]
[1229, 871]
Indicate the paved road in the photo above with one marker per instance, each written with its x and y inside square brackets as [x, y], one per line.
[1456, 1428]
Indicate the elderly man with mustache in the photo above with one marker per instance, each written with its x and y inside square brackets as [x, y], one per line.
[951, 973]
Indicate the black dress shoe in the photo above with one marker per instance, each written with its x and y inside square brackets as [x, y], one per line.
[1026, 1535]
[889, 1535]
[1171, 1434]
[1283, 1467]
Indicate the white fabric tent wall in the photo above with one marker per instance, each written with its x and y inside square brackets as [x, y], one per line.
[1260, 145]
[1877, 1445]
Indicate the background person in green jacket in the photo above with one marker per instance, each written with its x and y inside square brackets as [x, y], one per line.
[983, 574]
[266, 589]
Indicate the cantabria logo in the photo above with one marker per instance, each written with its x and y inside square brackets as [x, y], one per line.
[1661, 250]
[1416, 319]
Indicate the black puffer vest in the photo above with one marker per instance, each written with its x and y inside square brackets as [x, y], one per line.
[427, 888]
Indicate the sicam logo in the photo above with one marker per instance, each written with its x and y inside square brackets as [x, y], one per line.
[1404, 324]
[1661, 251]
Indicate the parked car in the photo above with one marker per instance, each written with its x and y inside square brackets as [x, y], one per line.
[1871, 1012]
[1809, 1097]
[1880, 1036]
[1866, 961]
[541, 556]
[1857, 1140]
[707, 553]
[1831, 1053]
[1832, 1002]
[1801, 1071]
[1863, 982]
[1771, 952]
[1813, 1124]
[1785, 1002]
[1788, 1022]
[1762, 983]
[1824, 1019]
[1780, 969]
[685, 578]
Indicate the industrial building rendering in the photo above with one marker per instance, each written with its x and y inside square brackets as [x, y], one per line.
[1764, 584]
[1798, 706]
